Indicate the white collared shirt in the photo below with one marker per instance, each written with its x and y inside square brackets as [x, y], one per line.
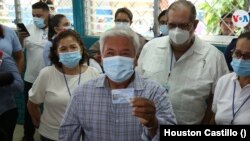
[34, 45]
[190, 80]
[223, 101]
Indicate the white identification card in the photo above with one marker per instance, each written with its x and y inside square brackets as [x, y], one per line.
[121, 96]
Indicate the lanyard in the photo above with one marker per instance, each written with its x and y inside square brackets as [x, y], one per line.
[235, 112]
[171, 63]
[67, 82]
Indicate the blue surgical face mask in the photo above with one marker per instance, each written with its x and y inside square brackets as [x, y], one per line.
[164, 29]
[118, 68]
[68, 27]
[241, 67]
[39, 22]
[70, 59]
[122, 24]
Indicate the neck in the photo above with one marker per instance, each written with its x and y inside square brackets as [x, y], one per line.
[71, 71]
[244, 81]
[179, 50]
[122, 85]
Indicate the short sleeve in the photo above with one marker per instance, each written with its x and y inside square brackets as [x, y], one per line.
[38, 90]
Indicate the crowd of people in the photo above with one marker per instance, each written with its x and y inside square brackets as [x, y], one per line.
[127, 86]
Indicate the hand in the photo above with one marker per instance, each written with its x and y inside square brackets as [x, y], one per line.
[145, 110]
[35, 113]
[22, 36]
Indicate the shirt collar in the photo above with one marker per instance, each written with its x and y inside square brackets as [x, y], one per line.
[136, 83]
[235, 77]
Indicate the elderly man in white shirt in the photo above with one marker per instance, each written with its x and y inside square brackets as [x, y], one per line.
[185, 65]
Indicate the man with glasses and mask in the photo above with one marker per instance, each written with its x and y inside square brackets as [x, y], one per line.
[123, 18]
[185, 65]
[34, 45]
[232, 94]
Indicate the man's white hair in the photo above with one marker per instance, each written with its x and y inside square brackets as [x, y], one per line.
[120, 32]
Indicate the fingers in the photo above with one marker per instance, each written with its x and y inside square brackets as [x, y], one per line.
[144, 109]
[36, 122]
[141, 102]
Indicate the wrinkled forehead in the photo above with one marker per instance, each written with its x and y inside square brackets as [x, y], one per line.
[243, 44]
[179, 14]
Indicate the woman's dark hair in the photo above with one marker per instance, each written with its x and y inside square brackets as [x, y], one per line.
[54, 22]
[53, 50]
[163, 13]
[1, 31]
[126, 11]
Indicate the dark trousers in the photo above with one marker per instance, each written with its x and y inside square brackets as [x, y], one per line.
[7, 124]
[45, 139]
[29, 129]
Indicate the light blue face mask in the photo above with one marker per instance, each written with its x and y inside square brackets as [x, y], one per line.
[118, 68]
[164, 29]
[122, 24]
[70, 59]
[39, 22]
[241, 67]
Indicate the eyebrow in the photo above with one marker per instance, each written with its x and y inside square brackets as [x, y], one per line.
[60, 46]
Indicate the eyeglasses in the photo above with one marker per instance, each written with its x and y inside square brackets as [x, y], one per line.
[238, 54]
[184, 26]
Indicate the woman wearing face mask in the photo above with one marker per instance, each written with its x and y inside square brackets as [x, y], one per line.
[231, 103]
[57, 24]
[55, 84]
[163, 22]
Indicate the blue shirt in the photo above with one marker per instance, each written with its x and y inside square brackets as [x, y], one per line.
[92, 114]
[10, 43]
[46, 52]
[7, 93]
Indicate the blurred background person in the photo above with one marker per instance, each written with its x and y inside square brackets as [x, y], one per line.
[123, 18]
[55, 84]
[163, 23]
[9, 43]
[231, 103]
[226, 25]
[11, 84]
[57, 24]
[34, 46]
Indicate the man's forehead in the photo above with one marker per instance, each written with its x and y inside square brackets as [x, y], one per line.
[179, 16]
[37, 11]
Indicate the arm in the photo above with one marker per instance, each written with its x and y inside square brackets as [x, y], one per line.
[208, 114]
[70, 128]
[6, 78]
[221, 69]
[145, 110]
[154, 113]
[35, 112]
[9, 66]
[17, 53]
[19, 58]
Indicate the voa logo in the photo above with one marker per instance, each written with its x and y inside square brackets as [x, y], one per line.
[240, 18]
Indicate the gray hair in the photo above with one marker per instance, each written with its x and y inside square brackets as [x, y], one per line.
[121, 32]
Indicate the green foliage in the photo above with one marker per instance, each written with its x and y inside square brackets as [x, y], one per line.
[214, 9]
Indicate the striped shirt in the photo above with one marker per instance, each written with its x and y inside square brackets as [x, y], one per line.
[92, 115]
